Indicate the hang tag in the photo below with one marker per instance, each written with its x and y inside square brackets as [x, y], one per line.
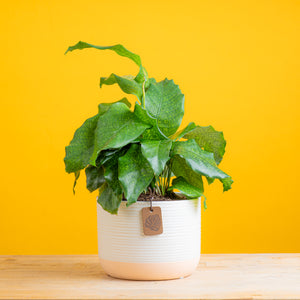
[152, 220]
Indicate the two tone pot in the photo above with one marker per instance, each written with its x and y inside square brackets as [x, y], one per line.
[126, 252]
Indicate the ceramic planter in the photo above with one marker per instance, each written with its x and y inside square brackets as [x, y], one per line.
[125, 252]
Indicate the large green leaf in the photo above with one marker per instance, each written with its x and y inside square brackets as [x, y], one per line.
[119, 49]
[116, 128]
[104, 107]
[181, 169]
[135, 173]
[126, 83]
[94, 178]
[110, 154]
[105, 178]
[165, 103]
[108, 199]
[201, 161]
[81, 147]
[111, 172]
[210, 140]
[157, 153]
[153, 133]
[179, 134]
[111, 177]
[188, 190]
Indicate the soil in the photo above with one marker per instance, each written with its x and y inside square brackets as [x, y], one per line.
[155, 197]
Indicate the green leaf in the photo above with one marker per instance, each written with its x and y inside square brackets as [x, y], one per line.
[110, 154]
[142, 76]
[94, 178]
[119, 49]
[227, 182]
[111, 172]
[106, 178]
[108, 199]
[188, 190]
[157, 154]
[116, 128]
[111, 177]
[165, 103]
[179, 134]
[204, 204]
[149, 82]
[126, 83]
[81, 147]
[77, 174]
[181, 169]
[135, 173]
[210, 140]
[104, 107]
[201, 161]
[210, 180]
[153, 133]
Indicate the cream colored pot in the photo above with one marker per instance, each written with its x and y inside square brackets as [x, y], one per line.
[125, 252]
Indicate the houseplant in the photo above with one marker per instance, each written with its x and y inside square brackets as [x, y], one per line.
[136, 156]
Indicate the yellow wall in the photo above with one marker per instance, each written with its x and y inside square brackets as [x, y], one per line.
[237, 62]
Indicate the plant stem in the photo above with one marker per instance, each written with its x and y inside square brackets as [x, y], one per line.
[169, 173]
[144, 95]
[157, 187]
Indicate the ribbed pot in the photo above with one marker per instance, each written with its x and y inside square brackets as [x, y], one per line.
[125, 252]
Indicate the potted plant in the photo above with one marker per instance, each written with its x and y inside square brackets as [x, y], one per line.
[148, 174]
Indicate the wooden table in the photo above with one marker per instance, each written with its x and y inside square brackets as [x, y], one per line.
[229, 276]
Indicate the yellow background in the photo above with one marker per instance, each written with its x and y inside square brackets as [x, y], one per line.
[237, 64]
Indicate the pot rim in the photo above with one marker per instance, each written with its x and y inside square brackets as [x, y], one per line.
[148, 201]
[143, 201]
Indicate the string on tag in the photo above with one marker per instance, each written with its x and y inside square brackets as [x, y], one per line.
[151, 197]
[151, 209]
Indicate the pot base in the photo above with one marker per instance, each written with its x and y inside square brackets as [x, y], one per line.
[149, 271]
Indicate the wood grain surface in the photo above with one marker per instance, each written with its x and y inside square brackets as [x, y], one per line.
[229, 276]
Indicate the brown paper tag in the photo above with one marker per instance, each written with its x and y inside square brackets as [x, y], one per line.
[152, 220]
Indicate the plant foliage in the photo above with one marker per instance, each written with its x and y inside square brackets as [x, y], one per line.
[127, 152]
